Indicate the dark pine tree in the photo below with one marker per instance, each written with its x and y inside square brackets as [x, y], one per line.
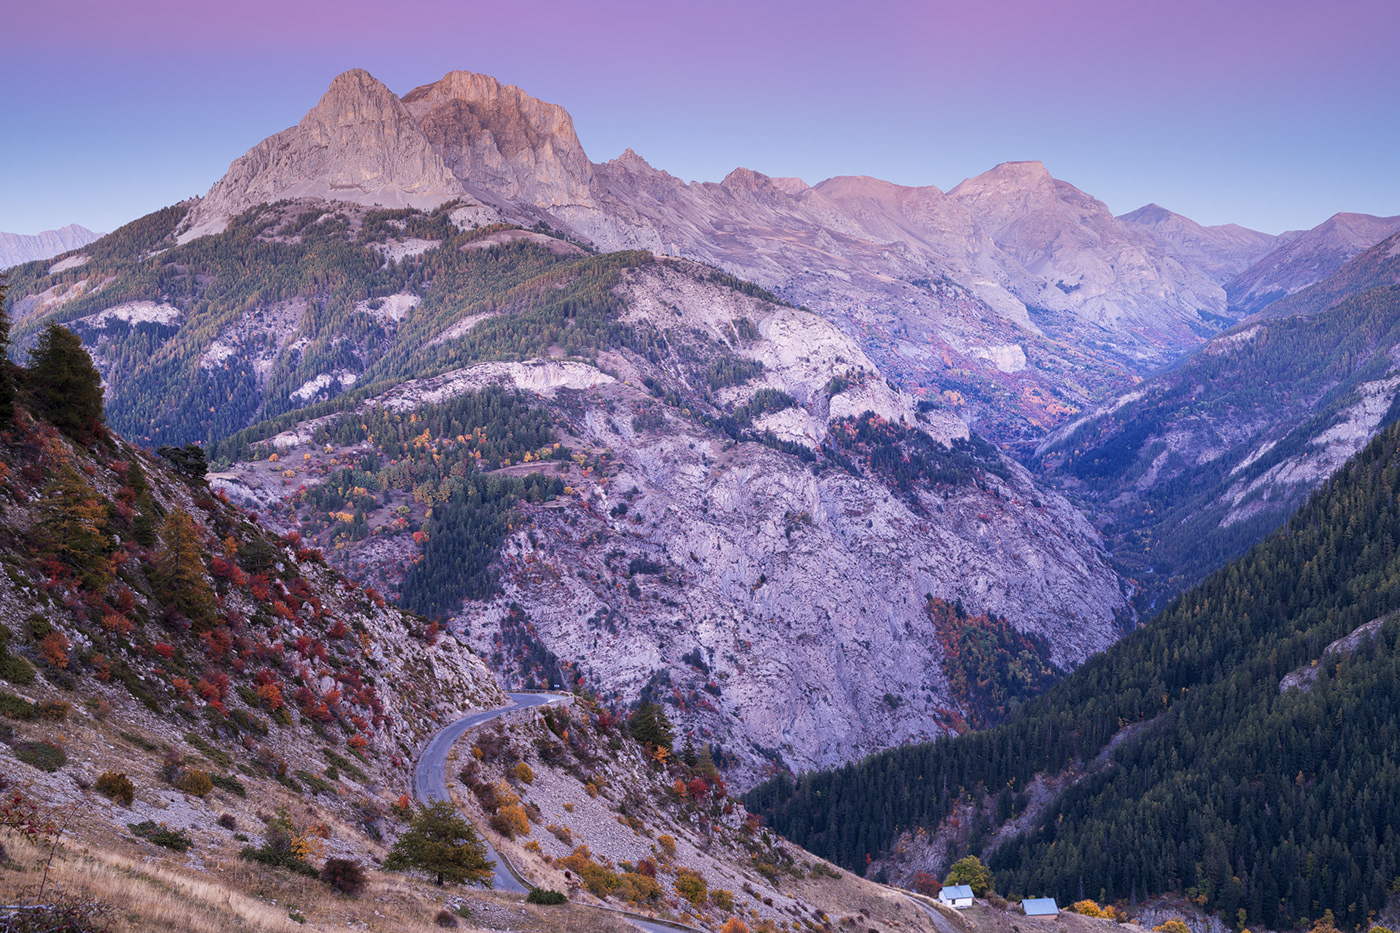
[67, 388]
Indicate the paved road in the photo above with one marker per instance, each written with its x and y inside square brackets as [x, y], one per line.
[430, 777]
[940, 922]
[430, 784]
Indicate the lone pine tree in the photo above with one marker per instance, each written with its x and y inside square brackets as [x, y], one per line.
[66, 387]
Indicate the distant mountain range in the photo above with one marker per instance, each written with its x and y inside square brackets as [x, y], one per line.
[16, 248]
[1016, 300]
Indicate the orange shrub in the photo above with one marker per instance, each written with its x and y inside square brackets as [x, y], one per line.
[116, 623]
[510, 821]
[55, 647]
[270, 695]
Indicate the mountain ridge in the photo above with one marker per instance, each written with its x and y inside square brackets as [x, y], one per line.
[19, 248]
[1305, 257]
[1107, 301]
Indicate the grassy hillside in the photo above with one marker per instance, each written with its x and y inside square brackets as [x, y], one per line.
[1270, 807]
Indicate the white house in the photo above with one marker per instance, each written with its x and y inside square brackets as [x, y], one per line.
[956, 895]
[1040, 907]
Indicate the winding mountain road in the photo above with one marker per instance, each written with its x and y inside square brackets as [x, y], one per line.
[430, 786]
[430, 777]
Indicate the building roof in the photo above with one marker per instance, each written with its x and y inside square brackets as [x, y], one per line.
[955, 892]
[1040, 907]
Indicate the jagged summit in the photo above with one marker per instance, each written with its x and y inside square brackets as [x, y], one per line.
[358, 144]
[1009, 240]
[16, 248]
[497, 137]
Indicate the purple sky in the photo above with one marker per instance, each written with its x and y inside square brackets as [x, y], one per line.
[1270, 113]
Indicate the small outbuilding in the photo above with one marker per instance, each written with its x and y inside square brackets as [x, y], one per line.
[956, 895]
[1040, 907]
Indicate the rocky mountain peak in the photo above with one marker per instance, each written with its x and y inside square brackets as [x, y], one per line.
[496, 137]
[790, 185]
[1005, 177]
[358, 144]
[746, 179]
[16, 248]
[1222, 251]
[1148, 214]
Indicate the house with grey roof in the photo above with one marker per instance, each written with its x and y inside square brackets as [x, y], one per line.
[1040, 907]
[956, 895]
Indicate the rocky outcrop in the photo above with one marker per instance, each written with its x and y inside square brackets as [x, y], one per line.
[1082, 265]
[500, 139]
[775, 601]
[1304, 677]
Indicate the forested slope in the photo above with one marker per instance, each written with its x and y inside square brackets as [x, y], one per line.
[1280, 804]
[294, 304]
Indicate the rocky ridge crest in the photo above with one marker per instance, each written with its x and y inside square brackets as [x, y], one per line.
[1012, 257]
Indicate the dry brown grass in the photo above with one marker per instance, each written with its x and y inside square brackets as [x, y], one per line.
[148, 893]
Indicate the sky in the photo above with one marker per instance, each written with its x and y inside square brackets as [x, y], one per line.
[1274, 115]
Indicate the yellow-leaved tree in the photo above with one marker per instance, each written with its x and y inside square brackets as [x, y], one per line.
[184, 584]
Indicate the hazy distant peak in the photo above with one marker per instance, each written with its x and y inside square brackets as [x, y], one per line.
[1006, 180]
[1032, 171]
[1303, 258]
[16, 248]
[866, 186]
[790, 185]
[1148, 214]
[746, 178]
[1221, 251]
[1028, 167]
[1360, 229]
[631, 162]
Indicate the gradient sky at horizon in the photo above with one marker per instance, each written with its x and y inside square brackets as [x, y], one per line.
[1270, 114]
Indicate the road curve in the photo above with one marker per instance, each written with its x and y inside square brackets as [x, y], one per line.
[940, 922]
[430, 777]
[430, 785]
